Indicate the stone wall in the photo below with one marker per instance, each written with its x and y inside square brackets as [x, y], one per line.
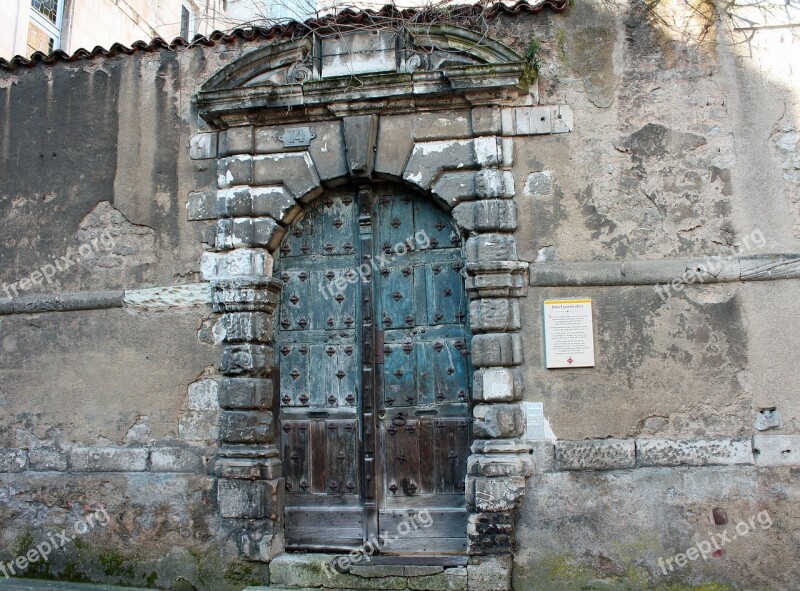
[684, 146]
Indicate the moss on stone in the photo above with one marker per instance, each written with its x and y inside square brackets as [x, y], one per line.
[565, 573]
[113, 563]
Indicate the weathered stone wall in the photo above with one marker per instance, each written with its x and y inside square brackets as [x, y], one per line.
[114, 403]
[684, 146]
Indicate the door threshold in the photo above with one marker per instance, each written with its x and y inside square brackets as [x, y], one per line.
[446, 560]
[419, 560]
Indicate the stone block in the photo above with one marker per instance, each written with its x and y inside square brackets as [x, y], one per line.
[204, 395]
[500, 465]
[455, 186]
[776, 450]
[562, 118]
[664, 452]
[13, 460]
[494, 184]
[248, 468]
[490, 524]
[242, 262]
[491, 247]
[437, 125]
[293, 170]
[203, 146]
[486, 121]
[768, 418]
[108, 459]
[500, 446]
[490, 315]
[246, 294]
[602, 454]
[428, 160]
[498, 420]
[275, 202]
[496, 279]
[489, 573]
[318, 570]
[496, 349]
[360, 136]
[45, 459]
[247, 359]
[544, 456]
[327, 151]
[489, 151]
[234, 170]
[246, 393]
[247, 233]
[248, 499]
[198, 425]
[527, 120]
[242, 327]
[246, 426]
[451, 579]
[201, 205]
[236, 140]
[491, 215]
[258, 542]
[494, 494]
[376, 571]
[395, 142]
[234, 202]
[498, 385]
[177, 459]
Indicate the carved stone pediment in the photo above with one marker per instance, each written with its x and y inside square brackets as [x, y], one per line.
[374, 68]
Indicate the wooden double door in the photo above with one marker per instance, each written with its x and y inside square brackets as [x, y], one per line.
[373, 353]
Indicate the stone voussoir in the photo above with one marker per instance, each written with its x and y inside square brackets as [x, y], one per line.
[294, 170]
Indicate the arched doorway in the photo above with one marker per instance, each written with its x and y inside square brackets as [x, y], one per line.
[372, 348]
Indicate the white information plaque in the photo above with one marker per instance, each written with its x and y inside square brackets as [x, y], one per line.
[568, 333]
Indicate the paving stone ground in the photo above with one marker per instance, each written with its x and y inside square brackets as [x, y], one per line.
[14, 584]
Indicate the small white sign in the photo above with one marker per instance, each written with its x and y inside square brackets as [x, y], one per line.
[568, 333]
[534, 420]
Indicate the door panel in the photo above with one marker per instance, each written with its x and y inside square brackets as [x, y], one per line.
[374, 373]
[423, 400]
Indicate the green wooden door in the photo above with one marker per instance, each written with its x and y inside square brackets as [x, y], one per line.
[374, 374]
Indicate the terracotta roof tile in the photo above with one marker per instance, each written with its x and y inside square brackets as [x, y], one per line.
[283, 31]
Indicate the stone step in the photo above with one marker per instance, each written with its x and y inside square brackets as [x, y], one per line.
[332, 572]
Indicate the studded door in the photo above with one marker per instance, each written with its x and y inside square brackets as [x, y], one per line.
[374, 373]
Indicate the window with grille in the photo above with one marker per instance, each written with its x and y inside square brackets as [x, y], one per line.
[44, 29]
